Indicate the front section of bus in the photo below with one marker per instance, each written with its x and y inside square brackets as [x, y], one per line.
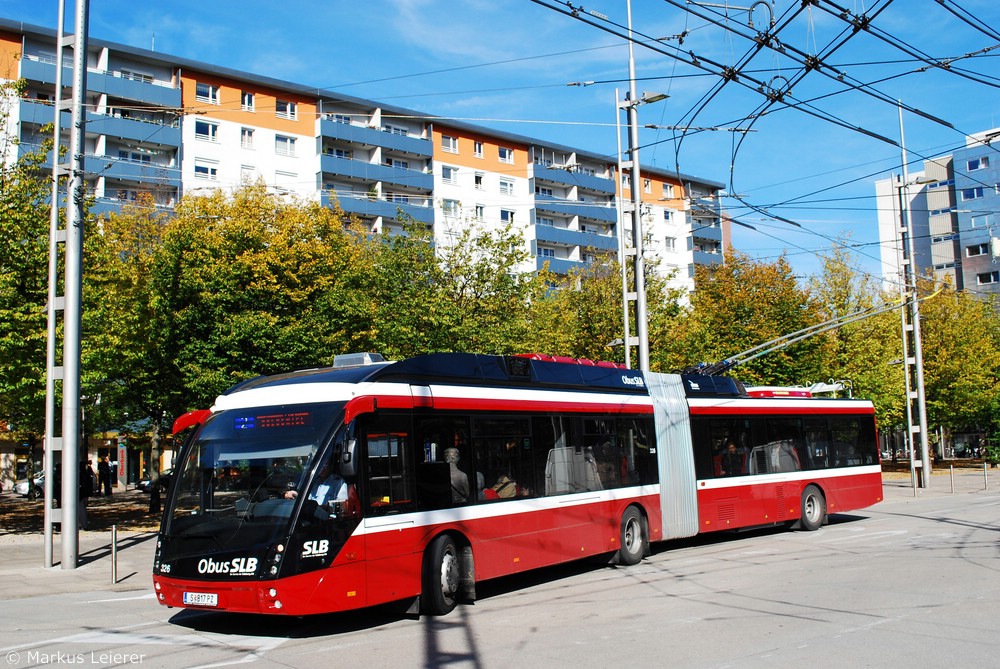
[255, 520]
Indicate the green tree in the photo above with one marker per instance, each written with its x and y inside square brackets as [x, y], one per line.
[863, 351]
[584, 314]
[24, 253]
[961, 349]
[485, 295]
[240, 287]
[740, 305]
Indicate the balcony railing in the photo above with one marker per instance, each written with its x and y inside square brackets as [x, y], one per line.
[360, 169]
[596, 211]
[368, 136]
[574, 178]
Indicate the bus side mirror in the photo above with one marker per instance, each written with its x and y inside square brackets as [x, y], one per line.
[347, 458]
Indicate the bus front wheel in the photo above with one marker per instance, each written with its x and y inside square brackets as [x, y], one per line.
[441, 577]
[632, 544]
[813, 509]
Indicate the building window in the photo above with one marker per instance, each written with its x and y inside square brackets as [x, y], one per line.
[671, 243]
[284, 146]
[345, 154]
[247, 173]
[546, 252]
[449, 144]
[342, 118]
[396, 130]
[506, 155]
[988, 277]
[450, 207]
[544, 220]
[977, 250]
[541, 190]
[978, 163]
[401, 198]
[981, 221]
[479, 181]
[285, 181]
[247, 101]
[477, 149]
[206, 93]
[972, 193]
[136, 76]
[506, 187]
[668, 215]
[286, 109]
[449, 175]
[395, 162]
[205, 131]
[506, 216]
[246, 138]
[668, 190]
[480, 212]
[134, 157]
[647, 186]
[206, 169]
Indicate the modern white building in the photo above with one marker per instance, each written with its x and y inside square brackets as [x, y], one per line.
[167, 126]
[952, 207]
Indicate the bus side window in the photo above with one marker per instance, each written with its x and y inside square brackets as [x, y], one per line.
[389, 485]
[637, 437]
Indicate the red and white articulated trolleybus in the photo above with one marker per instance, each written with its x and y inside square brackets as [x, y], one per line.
[334, 489]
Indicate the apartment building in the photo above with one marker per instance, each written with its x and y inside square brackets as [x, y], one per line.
[952, 207]
[169, 126]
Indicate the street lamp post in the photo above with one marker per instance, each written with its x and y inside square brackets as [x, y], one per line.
[633, 100]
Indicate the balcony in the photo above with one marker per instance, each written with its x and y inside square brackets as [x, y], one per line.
[564, 237]
[705, 258]
[365, 171]
[573, 178]
[367, 136]
[102, 206]
[99, 81]
[558, 265]
[590, 210]
[40, 113]
[363, 206]
[127, 170]
[701, 230]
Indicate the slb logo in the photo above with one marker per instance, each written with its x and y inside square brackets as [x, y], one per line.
[316, 548]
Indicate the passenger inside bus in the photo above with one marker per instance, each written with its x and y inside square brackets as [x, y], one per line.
[731, 461]
[459, 479]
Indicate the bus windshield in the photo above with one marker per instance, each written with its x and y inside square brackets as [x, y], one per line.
[232, 482]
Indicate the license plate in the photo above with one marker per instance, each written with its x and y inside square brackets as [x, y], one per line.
[201, 598]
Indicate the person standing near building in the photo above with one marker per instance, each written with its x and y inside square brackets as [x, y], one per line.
[104, 477]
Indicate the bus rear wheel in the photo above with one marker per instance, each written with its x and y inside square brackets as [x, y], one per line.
[441, 577]
[813, 509]
[632, 545]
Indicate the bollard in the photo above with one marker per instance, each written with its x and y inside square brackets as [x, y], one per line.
[951, 469]
[986, 480]
[114, 554]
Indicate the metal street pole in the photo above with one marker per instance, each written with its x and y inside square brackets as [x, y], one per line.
[912, 329]
[53, 444]
[622, 247]
[73, 278]
[641, 317]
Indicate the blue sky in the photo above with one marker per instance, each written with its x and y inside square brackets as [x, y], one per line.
[506, 65]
